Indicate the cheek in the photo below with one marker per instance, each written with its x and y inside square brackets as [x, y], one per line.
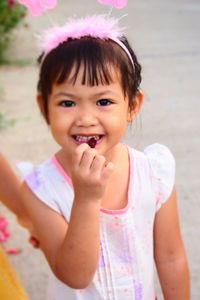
[56, 116]
[58, 132]
[56, 123]
[117, 124]
[121, 117]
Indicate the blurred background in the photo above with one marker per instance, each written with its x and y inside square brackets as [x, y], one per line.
[165, 37]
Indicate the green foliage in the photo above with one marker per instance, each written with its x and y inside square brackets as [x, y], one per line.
[11, 13]
[5, 123]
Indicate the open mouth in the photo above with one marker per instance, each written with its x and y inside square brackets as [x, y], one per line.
[89, 139]
[86, 138]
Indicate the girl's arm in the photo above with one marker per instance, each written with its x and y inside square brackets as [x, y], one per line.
[9, 188]
[72, 250]
[11, 198]
[169, 253]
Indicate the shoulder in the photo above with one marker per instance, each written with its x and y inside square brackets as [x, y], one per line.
[46, 182]
[157, 156]
[40, 174]
[37, 178]
[44, 173]
[36, 175]
[158, 165]
[159, 153]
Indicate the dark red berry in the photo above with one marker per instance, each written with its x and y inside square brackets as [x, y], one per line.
[92, 143]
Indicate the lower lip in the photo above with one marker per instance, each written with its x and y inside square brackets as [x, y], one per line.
[80, 142]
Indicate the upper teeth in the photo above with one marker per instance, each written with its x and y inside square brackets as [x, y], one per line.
[82, 138]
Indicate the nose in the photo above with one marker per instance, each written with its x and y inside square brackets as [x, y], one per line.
[86, 118]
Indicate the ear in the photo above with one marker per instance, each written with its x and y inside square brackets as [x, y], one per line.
[136, 105]
[40, 103]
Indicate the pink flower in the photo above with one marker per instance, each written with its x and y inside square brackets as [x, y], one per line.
[36, 7]
[11, 3]
[116, 3]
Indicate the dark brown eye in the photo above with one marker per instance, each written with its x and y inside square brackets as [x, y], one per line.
[103, 102]
[66, 103]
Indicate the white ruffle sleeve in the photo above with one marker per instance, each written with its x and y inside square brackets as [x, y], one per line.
[48, 185]
[162, 165]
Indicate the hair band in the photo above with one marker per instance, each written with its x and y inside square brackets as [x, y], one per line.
[97, 26]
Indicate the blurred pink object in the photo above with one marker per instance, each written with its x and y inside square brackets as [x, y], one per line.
[13, 251]
[116, 3]
[37, 7]
[4, 234]
[11, 3]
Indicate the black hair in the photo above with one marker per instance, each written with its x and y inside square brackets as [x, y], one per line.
[98, 57]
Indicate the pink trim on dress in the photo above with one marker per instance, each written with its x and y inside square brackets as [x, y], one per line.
[124, 210]
[61, 170]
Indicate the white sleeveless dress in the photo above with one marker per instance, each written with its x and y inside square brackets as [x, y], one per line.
[126, 264]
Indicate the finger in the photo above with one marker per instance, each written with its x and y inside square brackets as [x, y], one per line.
[34, 242]
[78, 153]
[98, 164]
[88, 158]
[107, 171]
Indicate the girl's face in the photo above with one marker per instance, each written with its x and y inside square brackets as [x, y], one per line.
[79, 112]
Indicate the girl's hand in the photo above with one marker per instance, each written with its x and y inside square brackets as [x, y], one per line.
[27, 224]
[34, 242]
[89, 173]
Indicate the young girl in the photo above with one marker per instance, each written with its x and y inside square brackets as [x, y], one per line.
[10, 285]
[102, 210]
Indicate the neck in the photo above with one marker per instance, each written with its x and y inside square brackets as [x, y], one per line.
[116, 154]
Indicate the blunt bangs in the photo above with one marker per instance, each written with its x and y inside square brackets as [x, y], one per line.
[98, 58]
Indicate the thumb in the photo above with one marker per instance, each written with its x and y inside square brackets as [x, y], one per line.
[107, 171]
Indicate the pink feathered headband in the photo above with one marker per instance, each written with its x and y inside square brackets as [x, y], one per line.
[97, 26]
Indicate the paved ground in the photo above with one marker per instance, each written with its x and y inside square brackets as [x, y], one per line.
[165, 35]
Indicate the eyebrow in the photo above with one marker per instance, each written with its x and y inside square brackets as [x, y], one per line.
[100, 94]
[63, 94]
